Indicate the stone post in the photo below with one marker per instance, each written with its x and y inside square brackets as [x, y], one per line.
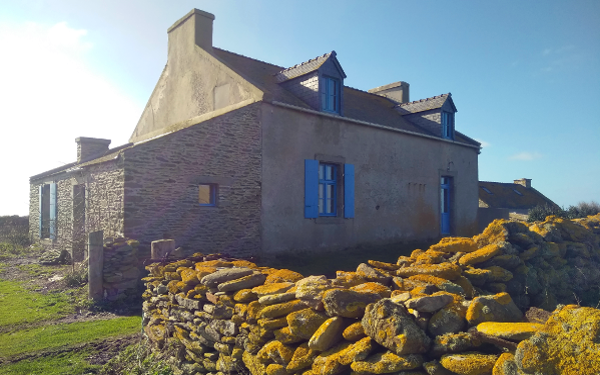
[95, 265]
[161, 247]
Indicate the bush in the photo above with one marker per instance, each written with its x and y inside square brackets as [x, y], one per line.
[580, 211]
[78, 276]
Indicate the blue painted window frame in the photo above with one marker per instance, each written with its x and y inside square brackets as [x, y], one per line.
[447, 125]
[328, 183]
[212, 195]
[311, 189]
[330, 94]
[445, 205]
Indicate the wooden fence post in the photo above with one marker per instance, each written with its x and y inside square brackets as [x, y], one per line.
[95, 265]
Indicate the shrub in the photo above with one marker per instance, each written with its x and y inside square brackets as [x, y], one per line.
[78, 276]
[580, 211]
[539, 213]
[583, 210]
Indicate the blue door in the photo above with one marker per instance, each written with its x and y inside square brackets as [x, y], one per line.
[445, 204]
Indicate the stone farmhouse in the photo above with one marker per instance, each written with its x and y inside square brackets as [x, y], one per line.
[509, 200]
[236, 155]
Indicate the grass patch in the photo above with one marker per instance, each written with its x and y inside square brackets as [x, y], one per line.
[61, 364]
[138, 359]
[39, 271]
[60, 335]
[20, 306]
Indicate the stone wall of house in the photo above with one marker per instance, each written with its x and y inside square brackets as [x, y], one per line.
[103, 207]
[162, 177]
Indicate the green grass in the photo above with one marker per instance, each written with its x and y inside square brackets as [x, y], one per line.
[60, 335]
[61, 364]
[19, 305]
[37, 270]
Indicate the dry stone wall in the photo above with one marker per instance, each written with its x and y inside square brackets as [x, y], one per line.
[468, 306]
[120, 269]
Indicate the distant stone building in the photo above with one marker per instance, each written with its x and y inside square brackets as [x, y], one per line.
[508, 200]
[236, 155]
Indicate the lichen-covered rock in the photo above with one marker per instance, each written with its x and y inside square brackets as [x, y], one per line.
[469, 363]
[328, 334]
[283, 275]
[347, 303]
[224, 275]
[372, 274]
[303, 358]
[347, 279]
[310, 290]
[304, 323]
[430, 303]
[276, 298]
[497, 308]
[455, 245]
[275, 288]
[391, 326]
[449, 319]
[252, 363]
[327, 363]
[453, 343]
[441, 284]
[275, 351]
[443, 270]
[354, 332]
[388, 362]
[357, 351]
[481, 255]
[372, 287]
[499, 274]
[511, 331]
[281, 309]
[383, 265]
[569, 343]
[245, 282]
[505, 365]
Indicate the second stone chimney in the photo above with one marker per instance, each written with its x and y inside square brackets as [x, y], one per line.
[195, 27]
[524, 181]
[397, 91]
[87, 148]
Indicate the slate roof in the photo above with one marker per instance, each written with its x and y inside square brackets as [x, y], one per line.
[504, 195]
[424, 104]
[303, 68]
[357, 104]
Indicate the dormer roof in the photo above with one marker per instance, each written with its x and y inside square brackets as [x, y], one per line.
[309, 66]
[427, 104]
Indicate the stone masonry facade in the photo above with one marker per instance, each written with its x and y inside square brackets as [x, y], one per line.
[162, 178]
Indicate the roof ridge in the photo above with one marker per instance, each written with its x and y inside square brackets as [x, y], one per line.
[425, 99]
[247, 57]
[306, 62]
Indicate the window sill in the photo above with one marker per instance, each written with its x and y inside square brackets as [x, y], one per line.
[329, 220]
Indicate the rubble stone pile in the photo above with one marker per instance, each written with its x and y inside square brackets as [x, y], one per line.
[120, 270]
[468, 306]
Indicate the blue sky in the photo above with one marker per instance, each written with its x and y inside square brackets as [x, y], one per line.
[524, 75]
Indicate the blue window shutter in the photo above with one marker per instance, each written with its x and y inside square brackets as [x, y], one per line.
[348, 191]
[41, 194]
[311, 188]
[53, 211]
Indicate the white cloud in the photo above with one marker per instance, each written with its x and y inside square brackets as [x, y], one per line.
[50, 96]
[484, 144]
[526, 156]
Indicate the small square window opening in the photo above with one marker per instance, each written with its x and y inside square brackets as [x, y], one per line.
[207, 194]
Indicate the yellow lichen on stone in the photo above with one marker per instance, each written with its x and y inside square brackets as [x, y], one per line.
[430, 257]
[302, 358]
[275, 369]
[286, 336]
[327, 363]
[214, 263]
[455, 245]
[348, 279]
[383, 363]
[505, 365]
[569, 343]
[281, 309]
[443, 270]
[383, 265]
[354, 332]
[470, 363]
[275, 288]
[466, 285]
[499, 274]
[373, 287]
[188, 276]
[415, 254]
[481, 255]
[277, 352]
[243, 263]
[494, 233]
[245, 296]
[272, 323]
[529, 253]
[511, 331]
[282, 276]
[204, 270]
[357, 351]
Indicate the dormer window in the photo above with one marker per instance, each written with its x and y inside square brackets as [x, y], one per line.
[330, 94]
[447, 125]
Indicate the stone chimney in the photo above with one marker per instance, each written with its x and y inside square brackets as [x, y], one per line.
[195, 27]
[524, 181]
[90, 147]
[397, 91]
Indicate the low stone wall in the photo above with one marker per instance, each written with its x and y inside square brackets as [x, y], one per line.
[120, 271]
[455, 308]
